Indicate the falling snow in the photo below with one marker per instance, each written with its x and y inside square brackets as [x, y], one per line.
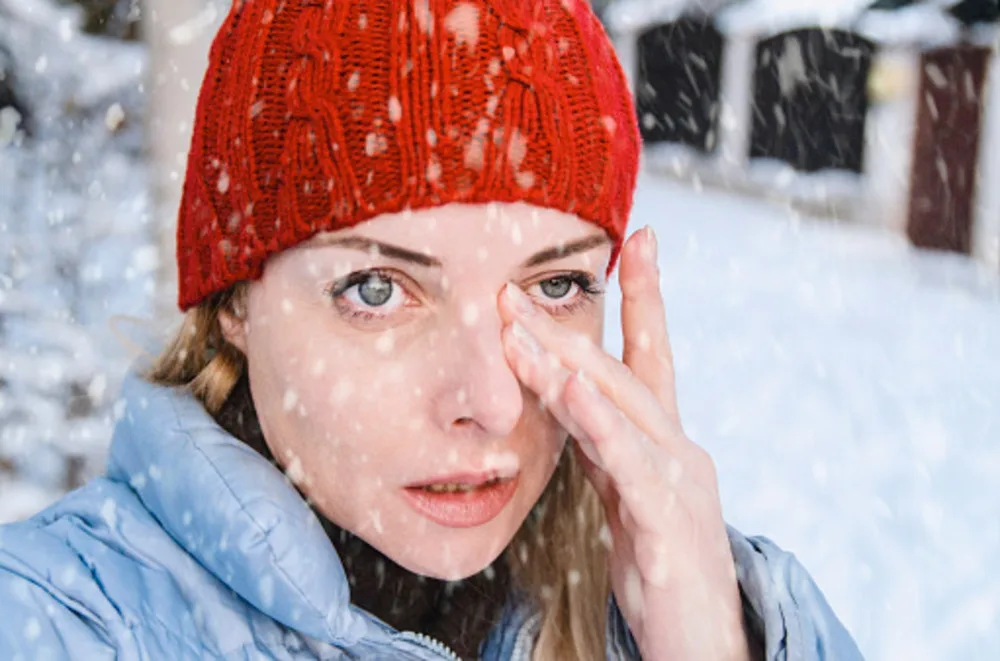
[433, 171]
[470, 314]
[290, 400]
[463, 23]
[354, 81]
[395, 109]
[425, 17]
[844, 383]
[115, 117]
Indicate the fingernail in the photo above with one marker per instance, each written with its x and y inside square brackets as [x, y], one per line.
[526, 339]
[585, 381]
[520, 300]
[651, 245]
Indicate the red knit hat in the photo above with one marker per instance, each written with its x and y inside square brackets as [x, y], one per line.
[316, 115]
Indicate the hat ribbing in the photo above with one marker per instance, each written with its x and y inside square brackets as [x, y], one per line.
[316, 115]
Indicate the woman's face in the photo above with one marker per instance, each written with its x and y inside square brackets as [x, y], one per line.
[376, 366]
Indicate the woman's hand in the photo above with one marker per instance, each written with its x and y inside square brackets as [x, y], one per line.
[671, 567]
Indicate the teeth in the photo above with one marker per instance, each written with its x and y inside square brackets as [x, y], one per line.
[449, 488]
[455, 488]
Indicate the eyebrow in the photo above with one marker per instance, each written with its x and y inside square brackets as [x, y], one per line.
[384, 249]
[402, 254]
[566, 250]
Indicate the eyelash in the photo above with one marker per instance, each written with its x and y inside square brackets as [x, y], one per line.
[589, 291]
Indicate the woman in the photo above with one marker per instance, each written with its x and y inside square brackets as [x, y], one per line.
[385, 428]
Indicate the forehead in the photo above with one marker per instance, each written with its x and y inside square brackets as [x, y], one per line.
[459, 233]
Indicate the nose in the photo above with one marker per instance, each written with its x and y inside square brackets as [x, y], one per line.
[478, 392]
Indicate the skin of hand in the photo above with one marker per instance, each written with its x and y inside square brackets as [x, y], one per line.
[671, 566]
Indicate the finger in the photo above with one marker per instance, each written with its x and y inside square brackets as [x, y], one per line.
[619, 519]
[598, 478]
[544, 374]
[616, 535]
[577, 351]
[647, 350]
[646, 477]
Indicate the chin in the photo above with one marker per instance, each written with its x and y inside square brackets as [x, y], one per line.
[448, 554]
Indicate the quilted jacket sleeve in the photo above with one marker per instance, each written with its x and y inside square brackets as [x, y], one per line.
[783, 605]
[43, 596]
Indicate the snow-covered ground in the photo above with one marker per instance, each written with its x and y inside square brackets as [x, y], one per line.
[848, 387]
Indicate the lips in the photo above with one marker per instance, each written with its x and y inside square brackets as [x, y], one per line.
[465, 480]
[453, 487]
[462, 501]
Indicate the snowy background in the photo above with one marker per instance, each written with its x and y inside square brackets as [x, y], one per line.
[75, 246]
[846, 384]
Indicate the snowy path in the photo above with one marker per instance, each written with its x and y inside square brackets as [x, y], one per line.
[849, 390]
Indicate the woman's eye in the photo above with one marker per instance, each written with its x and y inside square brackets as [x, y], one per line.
[556, 288]
[567, 293]
[368, 294]
[375, 291]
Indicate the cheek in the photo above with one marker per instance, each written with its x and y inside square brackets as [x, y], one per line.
[592, 325]
[321, 395]
[542, 436]
[290, 372]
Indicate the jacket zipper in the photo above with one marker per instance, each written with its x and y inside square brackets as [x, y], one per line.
[435, 646]
[522, 642]
[524, 638]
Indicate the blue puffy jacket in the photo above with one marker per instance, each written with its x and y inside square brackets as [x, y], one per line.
[195, 547]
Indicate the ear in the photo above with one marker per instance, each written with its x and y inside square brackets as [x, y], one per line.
[234, 329]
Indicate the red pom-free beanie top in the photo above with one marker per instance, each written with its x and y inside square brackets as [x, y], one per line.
[316, 115]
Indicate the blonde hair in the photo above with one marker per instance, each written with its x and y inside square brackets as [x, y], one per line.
[557, 558]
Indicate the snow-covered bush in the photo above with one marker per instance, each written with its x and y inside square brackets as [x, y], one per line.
[74, 244]
[13, 113]
[113, 18]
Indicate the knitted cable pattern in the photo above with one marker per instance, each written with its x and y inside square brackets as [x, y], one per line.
[316, 115]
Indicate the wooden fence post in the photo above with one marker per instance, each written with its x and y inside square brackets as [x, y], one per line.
[946, 151]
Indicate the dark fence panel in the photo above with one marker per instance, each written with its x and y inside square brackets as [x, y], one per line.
[810, 99]
[946, 149]
[678, 82]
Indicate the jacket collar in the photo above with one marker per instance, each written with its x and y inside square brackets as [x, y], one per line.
[234, 512]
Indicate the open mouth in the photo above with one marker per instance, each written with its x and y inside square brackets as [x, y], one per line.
[454, 487]
[462, 504]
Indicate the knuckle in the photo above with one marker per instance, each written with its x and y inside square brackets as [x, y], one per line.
[705, 465]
